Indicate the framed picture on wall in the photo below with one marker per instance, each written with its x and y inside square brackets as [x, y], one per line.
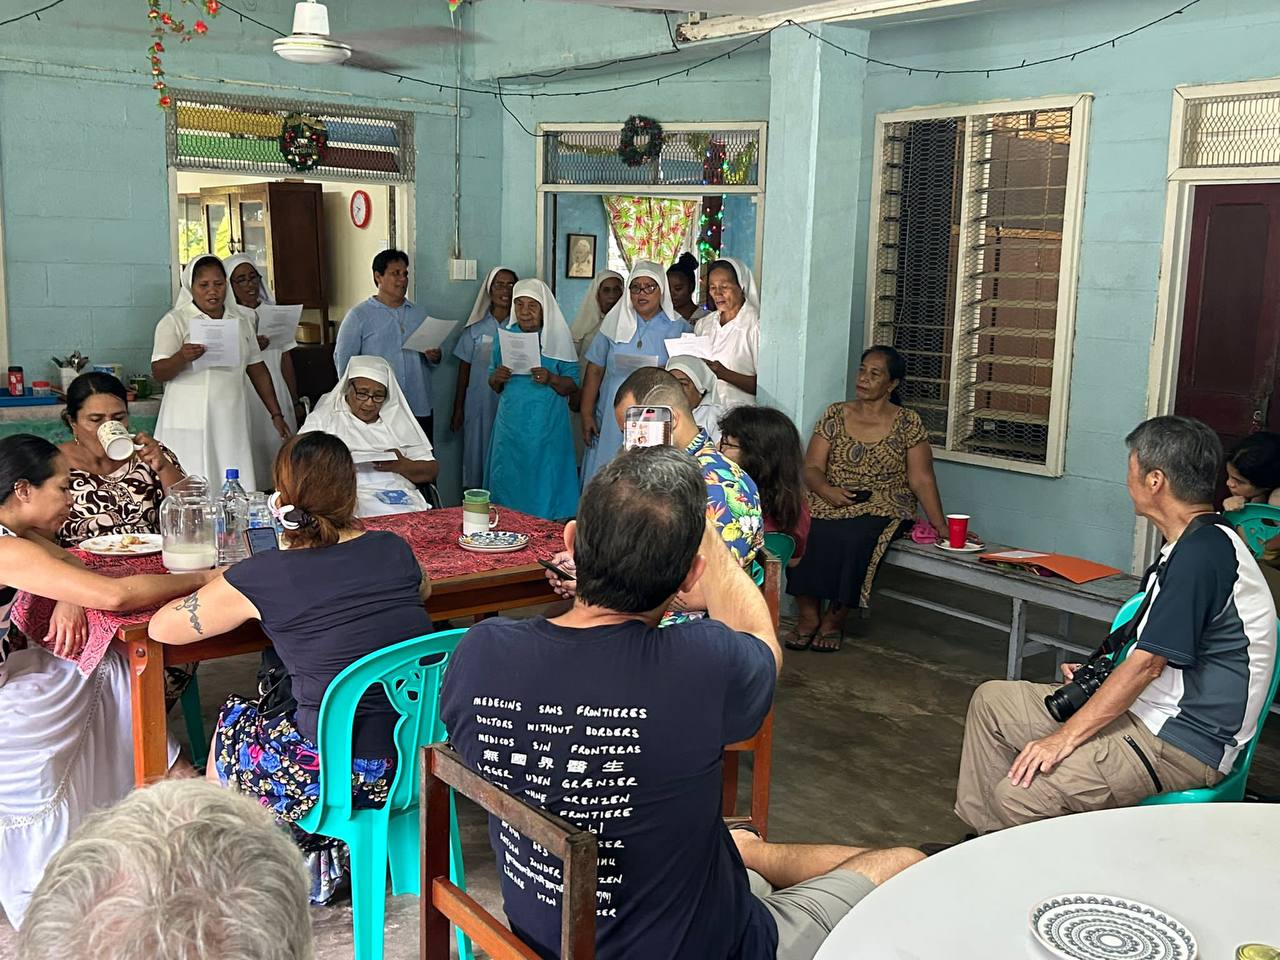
[580, 256]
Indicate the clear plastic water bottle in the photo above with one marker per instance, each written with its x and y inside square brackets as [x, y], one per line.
[233, 520]
[259, 513]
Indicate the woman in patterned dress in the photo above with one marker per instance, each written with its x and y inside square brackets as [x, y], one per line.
[868, 466]
[110, 496]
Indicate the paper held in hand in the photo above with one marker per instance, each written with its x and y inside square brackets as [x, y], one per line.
[630, 362]
[279, 324]
[220, 339]
[690, 345]
[520, 351]
[430, 335]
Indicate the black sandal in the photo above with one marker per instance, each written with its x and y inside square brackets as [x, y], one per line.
[838, 636]
[794, 640]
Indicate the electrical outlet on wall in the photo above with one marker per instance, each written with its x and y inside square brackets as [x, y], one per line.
[462, 269]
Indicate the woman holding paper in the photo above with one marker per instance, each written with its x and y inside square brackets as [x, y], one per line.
[250, 290]
[368, 412]
[734, 331]
[474, 402]
[532, 467]
[203, 348]
[632, 336]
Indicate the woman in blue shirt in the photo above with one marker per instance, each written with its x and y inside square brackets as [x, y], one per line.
[532, 467]
[633, 335]
[474, 402]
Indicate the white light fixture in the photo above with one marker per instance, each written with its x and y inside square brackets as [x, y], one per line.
[310, 41]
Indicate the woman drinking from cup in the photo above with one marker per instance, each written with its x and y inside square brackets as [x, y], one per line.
[868, 465]
[632, 336]
[532, 467]
[117, 479]
[368, 412]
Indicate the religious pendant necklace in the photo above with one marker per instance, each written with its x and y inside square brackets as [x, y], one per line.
[640, 342]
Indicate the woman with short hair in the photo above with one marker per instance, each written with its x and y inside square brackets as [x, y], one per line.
[205, 413]
[734, 331]
[682, 278]
[368, 412]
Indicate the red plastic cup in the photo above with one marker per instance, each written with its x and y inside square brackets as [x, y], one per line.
[957, 529]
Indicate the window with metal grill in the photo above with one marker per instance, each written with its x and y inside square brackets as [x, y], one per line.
[973, 273]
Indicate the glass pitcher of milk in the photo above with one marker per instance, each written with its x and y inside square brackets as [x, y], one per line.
[188, 526]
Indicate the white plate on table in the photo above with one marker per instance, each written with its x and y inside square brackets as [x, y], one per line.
[494, 541]
[124, 545]
[1091, 926]
[967, 548]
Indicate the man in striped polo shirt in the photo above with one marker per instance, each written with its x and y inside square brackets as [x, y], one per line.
[1177, 711]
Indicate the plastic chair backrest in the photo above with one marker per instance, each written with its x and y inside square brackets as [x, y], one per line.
[1258, 523]
[781, 545]
[410, 672]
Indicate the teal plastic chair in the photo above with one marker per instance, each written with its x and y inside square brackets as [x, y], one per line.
[1257, 523]
[410, 673]
[1230, 789]
[782, 546]
[190, 701]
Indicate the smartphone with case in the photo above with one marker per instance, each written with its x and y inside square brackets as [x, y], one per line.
[646, 427]
[858, 496]
[258, 539]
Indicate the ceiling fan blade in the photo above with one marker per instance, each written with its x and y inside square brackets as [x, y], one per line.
[397, 38]
[366, 60]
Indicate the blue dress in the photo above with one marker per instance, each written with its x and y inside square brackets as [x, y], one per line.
[481, 403]
[532, 467]
[603, 352]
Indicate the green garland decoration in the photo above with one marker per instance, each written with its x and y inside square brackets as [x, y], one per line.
[303, 141]
[638, 127]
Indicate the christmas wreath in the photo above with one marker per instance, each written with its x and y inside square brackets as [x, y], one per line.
[649, 132]
[303, 141]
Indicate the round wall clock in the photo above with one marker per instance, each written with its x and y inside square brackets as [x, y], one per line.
[361, 209]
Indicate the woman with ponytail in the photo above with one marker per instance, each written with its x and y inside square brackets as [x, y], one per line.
[335, 593]
[868, 467]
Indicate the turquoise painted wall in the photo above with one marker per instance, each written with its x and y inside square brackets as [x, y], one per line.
[85, 185]
[578, 213]
[1087, 511]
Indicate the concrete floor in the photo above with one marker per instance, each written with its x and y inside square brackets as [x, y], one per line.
[865, 749]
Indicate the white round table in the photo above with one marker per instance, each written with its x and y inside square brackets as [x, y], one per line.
[1211, 865]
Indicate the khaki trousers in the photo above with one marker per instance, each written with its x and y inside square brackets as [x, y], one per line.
[1106, 771]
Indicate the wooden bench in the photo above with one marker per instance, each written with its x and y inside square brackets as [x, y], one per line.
[1097, 600]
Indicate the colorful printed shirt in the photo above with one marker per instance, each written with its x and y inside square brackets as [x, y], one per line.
[733, 505]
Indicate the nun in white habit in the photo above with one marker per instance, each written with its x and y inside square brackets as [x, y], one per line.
[249, 287]
[699, 385]
[206, 411]
[474, 402]
[368, 412]
[734, 331]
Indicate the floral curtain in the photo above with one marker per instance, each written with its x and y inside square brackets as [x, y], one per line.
[650, 228]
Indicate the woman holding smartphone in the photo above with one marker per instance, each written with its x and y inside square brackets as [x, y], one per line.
[868, 468]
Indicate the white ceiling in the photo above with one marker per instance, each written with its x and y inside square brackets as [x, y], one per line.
[883, 11]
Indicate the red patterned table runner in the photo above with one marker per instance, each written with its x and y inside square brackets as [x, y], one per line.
[432, 534]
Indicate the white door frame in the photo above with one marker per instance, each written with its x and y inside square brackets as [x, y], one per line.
[1166, 341]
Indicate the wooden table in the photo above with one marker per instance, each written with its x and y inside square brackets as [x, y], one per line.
[1096, 600]
[467, 595]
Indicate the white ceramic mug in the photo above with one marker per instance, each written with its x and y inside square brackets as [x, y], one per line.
[479, 522]
[116, 440]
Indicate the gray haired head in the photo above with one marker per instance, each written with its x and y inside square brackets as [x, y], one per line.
[1186, 451]
[183, 870]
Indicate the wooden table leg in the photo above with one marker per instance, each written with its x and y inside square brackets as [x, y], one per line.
[146, 684]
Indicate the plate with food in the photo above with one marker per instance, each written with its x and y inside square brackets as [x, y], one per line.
[124, 545]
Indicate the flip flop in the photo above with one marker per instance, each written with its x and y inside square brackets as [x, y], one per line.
[836, 635]
[793, 640]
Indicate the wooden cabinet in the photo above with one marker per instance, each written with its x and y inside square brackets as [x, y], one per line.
[281, 227]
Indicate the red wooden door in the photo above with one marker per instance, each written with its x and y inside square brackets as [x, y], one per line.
[1227, 370]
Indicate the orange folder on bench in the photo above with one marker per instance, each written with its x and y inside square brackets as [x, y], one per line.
[1044, 564]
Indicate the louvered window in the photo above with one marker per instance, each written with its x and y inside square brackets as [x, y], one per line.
[973, 273]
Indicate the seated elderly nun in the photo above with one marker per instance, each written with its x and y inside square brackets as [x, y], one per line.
[699, 385]
[531, 462]
[734, 330]
[369, 413]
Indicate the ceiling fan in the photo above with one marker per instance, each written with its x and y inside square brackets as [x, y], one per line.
[312, 43]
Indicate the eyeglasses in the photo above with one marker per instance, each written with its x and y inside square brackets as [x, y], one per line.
[502, 285]
[728, 445]
[246, 280]
[378, 398]
[644, 288]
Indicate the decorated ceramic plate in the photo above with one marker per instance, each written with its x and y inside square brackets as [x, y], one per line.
[967, 548]
[1095, 927]
[495, 541]
[124, 545]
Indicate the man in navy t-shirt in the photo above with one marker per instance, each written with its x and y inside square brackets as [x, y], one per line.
[603, 719]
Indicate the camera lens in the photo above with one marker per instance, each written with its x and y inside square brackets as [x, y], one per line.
[1065, 701]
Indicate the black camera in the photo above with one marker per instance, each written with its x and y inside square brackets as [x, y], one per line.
[1070, 697]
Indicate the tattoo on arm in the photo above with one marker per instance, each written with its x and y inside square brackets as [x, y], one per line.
[191, 605]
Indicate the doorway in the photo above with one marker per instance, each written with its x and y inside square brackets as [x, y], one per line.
[1227, 373]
